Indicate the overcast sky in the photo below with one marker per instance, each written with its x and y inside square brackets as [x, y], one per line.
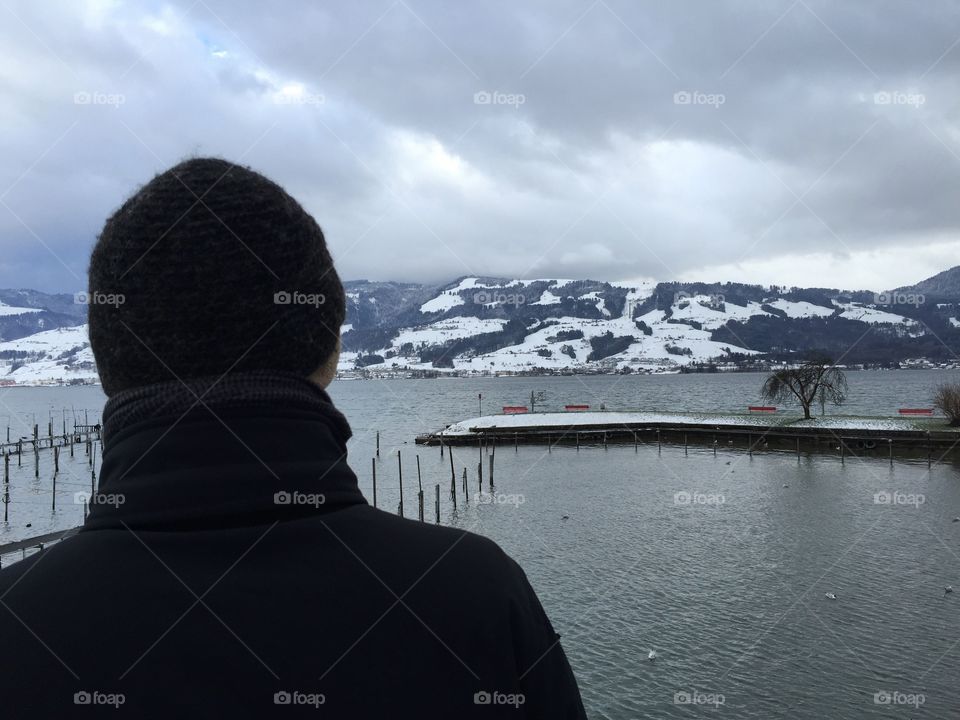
[800, 142]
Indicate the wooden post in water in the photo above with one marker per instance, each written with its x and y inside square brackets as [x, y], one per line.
[419, 479]
[684, 443]
[843, 452]
[578, 441]
[453, 472]
[659, 441]
[750, 444]
[19, 453]
[798, 448]
[400, 475]
[466, 492]
[929, 450]
[516, 443]
[53, 496]
[373, 462]
[453, 492]
[635, 448]
[36, 459]
[480, 477]
[437, 503]
[890, 445]
[56, 462]
[604, 439]
[491, 472]
[441, 447]
[6, 485]
[549, 444]
[50, 432]
[72, 438]
[420, 504]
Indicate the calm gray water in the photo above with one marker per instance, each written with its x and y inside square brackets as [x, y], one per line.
[710, 561]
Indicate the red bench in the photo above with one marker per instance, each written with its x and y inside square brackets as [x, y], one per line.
[576, 408]
[761, 408]
[514, 409]
[916, 411]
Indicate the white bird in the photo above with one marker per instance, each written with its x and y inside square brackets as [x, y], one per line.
[948, 589]
[652, 655]
[830, 596]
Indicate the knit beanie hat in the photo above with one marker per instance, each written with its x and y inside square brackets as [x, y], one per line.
[209, 269]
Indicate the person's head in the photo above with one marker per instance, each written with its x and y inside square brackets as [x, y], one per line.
[208, 269]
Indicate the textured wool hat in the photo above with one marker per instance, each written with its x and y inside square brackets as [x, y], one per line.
[210, 268]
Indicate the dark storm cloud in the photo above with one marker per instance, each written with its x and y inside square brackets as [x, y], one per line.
[433, 139]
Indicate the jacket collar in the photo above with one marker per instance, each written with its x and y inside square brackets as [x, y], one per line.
[247, 448]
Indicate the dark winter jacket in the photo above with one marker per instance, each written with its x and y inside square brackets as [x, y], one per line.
[231, 568]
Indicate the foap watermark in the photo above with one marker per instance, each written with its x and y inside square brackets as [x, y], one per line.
[86, 97]
[298, 498]
[298, 298]
[695, 97]
[896, 697]
[85, 497]
[95, 297]
[685, 497]
[895, 497]
[492, 498]
[694, 697]
[713, 299]
[495, 97]
[495, 697]
[486, 297]
[899, 298]
[96, 697]
[298, 698]
[898, 97]
[299, 98]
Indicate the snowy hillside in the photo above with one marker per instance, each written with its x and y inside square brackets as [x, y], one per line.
[553, 325]
[482, 325]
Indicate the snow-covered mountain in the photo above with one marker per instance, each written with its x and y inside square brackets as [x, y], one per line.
[486, 325]
[480, 325]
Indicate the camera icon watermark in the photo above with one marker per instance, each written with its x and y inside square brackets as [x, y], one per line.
[695, 97]
[495, 97]
[899, 298]
[491, 498]
[683, 298]
[299, 699]
[896, 697]
[298, 298]
[85, 497]
[95, 297]
[96, 697]
[895, 497]
[491, 298]
[686, 497]
[693, 697]
[898, 97]
[495, 697]
[86, 97]
[298, 498]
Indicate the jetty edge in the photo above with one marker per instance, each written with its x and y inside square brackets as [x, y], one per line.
[856, 434]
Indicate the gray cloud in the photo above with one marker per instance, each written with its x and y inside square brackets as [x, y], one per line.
[758, 139]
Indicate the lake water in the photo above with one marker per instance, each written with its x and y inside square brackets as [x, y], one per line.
[719, 563]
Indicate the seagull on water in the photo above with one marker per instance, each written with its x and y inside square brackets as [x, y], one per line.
[652, 655]
[830, 596]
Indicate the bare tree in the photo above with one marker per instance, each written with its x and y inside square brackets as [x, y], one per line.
[946, 399]
[818, 379]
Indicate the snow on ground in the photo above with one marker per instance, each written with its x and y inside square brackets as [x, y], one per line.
[450, 329]
[801, 309]
[447, 300]
[11, 310]
[547, 298]
[51, 367]
[562, 419]
[872, 315]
